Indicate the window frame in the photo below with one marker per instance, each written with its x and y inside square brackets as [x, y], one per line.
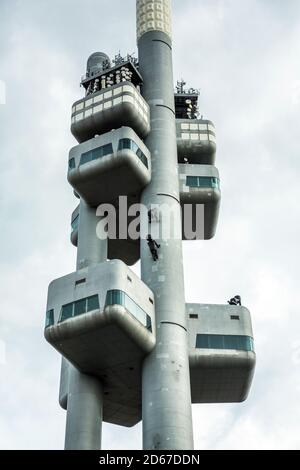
[119, 297]
[84, 301]
[225, 342]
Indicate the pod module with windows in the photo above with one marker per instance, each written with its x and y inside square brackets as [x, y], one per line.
[199, 180]
[102, 320]
[221, 353]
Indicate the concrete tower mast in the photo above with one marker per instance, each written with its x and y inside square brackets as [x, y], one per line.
[132, 349]
[167, 414]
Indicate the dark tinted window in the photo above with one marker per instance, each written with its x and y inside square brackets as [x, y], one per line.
[66, 312]
[72, 164]
[93, 303]
[121, 298]
[49, 318]
[237, 342]
[124, 144]
[131, 145]
[202, 182]
[75, 223]
[97, 153]
[80, 307]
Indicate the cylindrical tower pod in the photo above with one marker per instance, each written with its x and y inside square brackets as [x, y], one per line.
[167, 416]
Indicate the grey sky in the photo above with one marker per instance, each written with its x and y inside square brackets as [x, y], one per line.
[244, 55]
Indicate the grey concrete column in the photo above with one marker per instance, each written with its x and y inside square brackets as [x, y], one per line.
[85, 396]
[166, 396]
[84, 415]
[91, 250]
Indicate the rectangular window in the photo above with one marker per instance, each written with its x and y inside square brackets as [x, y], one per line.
[185, 126]
[234, 317]
[117, 101]
[185, 136]
[149, 323]
[193, 316]
[79, 117]
[134, 147]
[216, 342]
[98, 99]
[79, 106]
[49, 318]
[98, 108]
[75, 223]
[202, 182]
[128, 144]
[135, 310]
[117, 91]
[88, 103]
[72, 165]
[66, 312]
[96, 154]
[107, 95]
[194, 127]
[124, 144]
[215, 183]
[107, 105]
[203, 127]
[194, 136]
[107, 150]
[212, 138]
[202, 342]
[139, 154]
[85, 158]
[114, 297]
[203, 137]
[192, 181]
[80, 281]
[79, 307]
[233, 342]
[128, 99]
[117, 297]
[88, 113]
[144, 159]
[93, 303]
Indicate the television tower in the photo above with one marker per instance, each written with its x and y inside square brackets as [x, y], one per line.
[132, 348]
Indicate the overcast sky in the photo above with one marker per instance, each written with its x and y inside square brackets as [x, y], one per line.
[244, 55]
